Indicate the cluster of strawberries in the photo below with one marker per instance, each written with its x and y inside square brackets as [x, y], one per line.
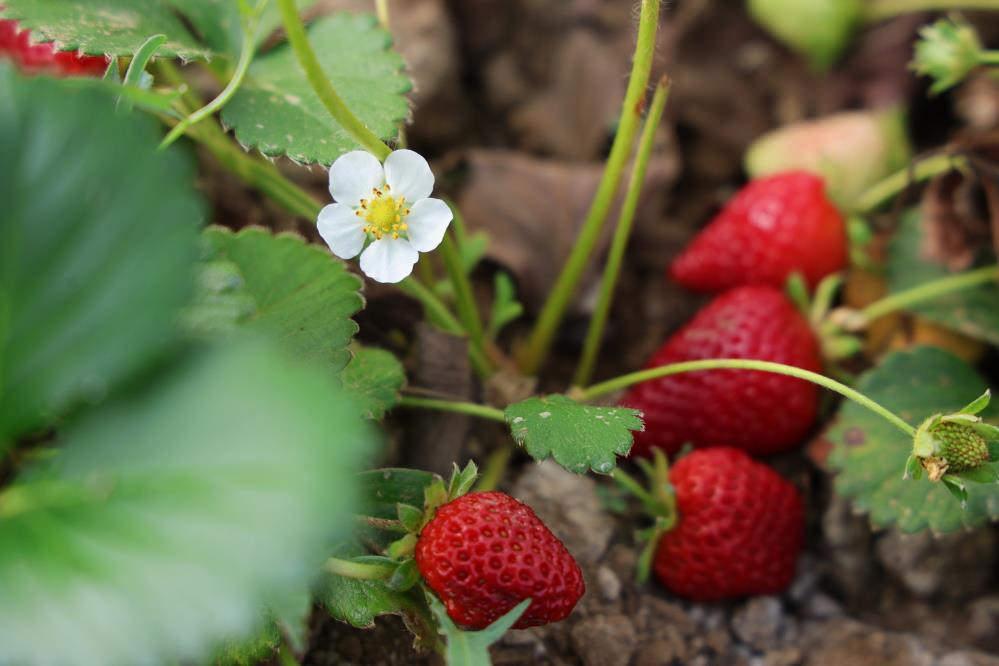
[738, 526]
[16, 44]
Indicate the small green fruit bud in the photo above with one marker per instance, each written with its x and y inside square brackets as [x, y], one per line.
[851, 151]
[820, 29]
[963, 448]
[949, 445]
[946, 52]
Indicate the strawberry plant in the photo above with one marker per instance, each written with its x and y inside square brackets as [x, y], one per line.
[196, 409]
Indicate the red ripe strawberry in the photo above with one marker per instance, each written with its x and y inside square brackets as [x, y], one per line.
[484, 553]
[758, 412]
[739, 530]
[773, 227]
[37, 58]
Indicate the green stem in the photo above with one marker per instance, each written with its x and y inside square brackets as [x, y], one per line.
[879, 10]
[382, 11]
[631, 111]
[286, 655]
[594, 335]
[321, 84]
[746, 364]
[440, 315]
[893, 185]
[928, 291]
[358, 570]
[469, 408]
[247, 49]
[468, 312]
[255, 171]
[495, 467]
[989, 57]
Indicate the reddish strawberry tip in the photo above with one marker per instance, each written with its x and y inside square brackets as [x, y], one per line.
[759, 412]
[484, 553]
[739, 532]
[772, 227]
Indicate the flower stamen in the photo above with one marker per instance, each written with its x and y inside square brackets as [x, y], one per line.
[384, 214]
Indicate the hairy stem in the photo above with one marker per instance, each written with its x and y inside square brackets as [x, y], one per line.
[631, 111]
[594, 335]
[747, 364]
[299, 42]
[929, 291]
[878, 10]
[495, 467]
[897, 183]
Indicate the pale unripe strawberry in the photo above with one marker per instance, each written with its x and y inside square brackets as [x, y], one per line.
[851, 151]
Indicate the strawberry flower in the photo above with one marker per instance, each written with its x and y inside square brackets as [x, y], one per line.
[388, 208]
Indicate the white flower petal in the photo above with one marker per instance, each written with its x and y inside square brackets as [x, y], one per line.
[353, 176]
[389, 260]
[409, 175]
[427, 223]
[341, 229]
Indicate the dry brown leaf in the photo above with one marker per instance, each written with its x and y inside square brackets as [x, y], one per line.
[573, 117]
[533, 209]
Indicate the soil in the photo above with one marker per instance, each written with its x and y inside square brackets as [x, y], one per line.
[515, 103]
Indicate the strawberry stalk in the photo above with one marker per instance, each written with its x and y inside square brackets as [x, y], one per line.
[922, 170]
[625, 381]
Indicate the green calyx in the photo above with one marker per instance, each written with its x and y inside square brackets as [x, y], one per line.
[659, 502]
[949, 445]
[946, 52]
[394, 563]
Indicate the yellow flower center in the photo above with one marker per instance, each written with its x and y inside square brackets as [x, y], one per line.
[383, 214]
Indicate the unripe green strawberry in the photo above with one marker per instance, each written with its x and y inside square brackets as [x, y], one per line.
[851, 151]
[820, 29]
[961, 447]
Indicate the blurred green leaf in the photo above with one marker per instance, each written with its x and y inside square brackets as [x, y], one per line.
[870, 454]
[374, 377]
[97, 238]
[972, 311]
[359, 602]
[175, 515]
[298, 293]
[579, 437]
[277, 112]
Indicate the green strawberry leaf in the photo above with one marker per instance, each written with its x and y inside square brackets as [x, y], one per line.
[971, 311]
[277, 112]
[96, 250]
[471, 648]
[374, 377]
[359, 602]
[579, 437]
[278, 284]
[870, 454]
[383, 490]
[140, 539]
